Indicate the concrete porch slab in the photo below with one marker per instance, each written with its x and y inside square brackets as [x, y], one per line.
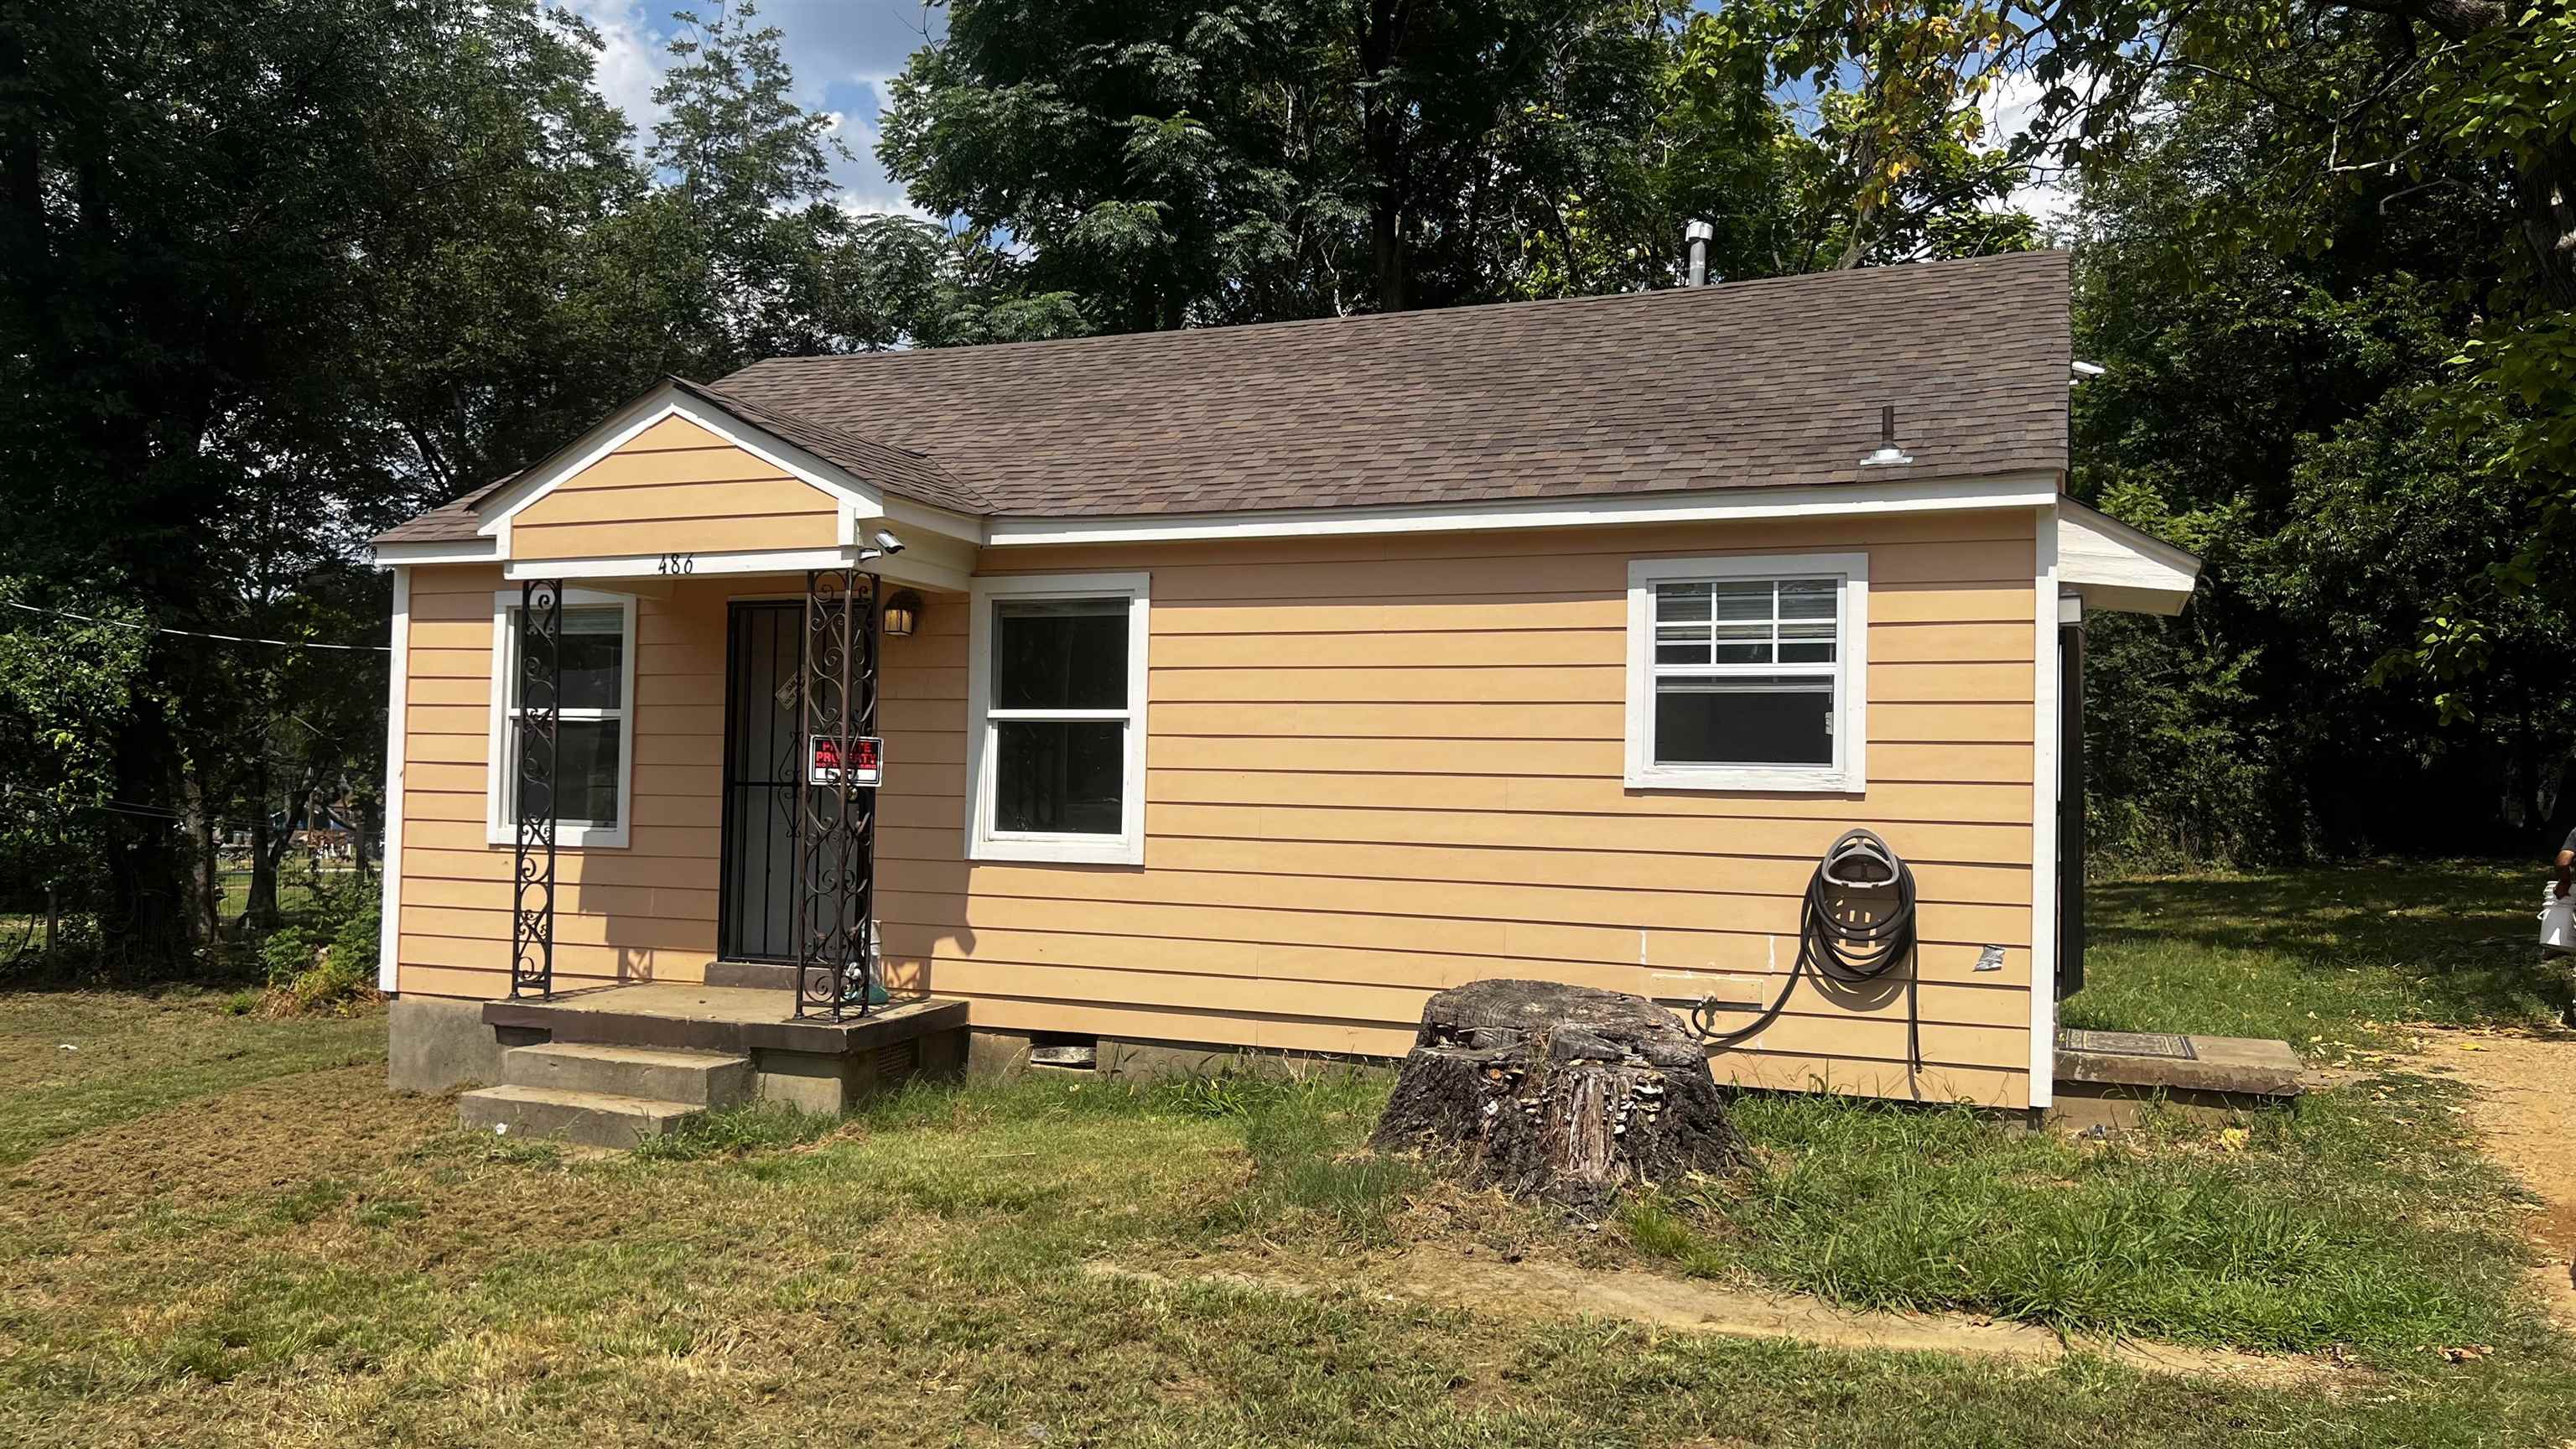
[689, 1016]
[2236, 1066]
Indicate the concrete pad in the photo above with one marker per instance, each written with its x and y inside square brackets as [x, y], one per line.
[691, 1016]
[2235, 1066]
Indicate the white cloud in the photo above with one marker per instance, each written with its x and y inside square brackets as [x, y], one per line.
[628, 68]
[2010, 108]
[833, 48]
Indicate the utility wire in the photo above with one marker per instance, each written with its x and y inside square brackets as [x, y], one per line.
[197, 633]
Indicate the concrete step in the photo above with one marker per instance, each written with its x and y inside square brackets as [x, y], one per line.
[592, 1119]
[697, 1079]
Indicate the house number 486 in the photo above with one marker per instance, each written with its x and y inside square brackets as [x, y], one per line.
[679, 563]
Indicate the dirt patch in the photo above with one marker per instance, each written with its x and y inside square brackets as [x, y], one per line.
[2526, 1112]
[1538, 1289]
[262, 1138]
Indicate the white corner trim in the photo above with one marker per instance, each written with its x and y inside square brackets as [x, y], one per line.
[1849, 774]
[499, 827]
[2118, 568]
[668, 401]
[397, 702]
[1705, 505]
[2043, 821]
[396, 555]
[982, 841]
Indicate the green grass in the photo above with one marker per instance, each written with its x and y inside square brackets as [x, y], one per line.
[236, 1236]
[73, 1062]
[2366, 1221]
[2325, 958]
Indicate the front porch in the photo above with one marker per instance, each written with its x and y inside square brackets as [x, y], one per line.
[611, 1066]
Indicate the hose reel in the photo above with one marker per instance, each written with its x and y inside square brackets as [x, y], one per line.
[1844, 952]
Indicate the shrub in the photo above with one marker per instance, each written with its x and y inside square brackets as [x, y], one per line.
[306, 979]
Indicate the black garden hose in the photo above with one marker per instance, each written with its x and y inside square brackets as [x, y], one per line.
[1843, 952]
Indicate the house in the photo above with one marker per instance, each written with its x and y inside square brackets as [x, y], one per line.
[1235, 688]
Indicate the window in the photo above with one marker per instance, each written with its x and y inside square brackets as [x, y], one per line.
[1056, 685]
[594, 730]
[1747, 673]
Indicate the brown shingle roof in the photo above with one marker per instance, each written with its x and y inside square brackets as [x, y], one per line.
[1771, 382]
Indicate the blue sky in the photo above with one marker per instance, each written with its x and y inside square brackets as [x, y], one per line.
[843, 52]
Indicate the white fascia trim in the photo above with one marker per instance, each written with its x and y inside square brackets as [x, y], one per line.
[2044, 801]
[648, 568]
[650, 565]
[1849, 775]
[856, 498]
[2119, 568]
[1711, 505]
[397, 555]
[982, 843]
[499, 828]
[907, 512]
[397, 701]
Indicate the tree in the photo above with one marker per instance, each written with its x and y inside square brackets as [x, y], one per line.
[1186, 162]
[2278, 398]
[254, 258]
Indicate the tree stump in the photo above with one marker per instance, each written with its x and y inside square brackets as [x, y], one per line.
[1559, 1092]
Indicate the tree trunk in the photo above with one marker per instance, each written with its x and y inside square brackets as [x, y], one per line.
[206, 872]
[259, 912]
[145, 922]
[1381, 47]
[1559, 1092]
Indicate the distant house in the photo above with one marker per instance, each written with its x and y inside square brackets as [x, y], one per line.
[1236, 688]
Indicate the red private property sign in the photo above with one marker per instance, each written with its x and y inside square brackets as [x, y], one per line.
[829, 760]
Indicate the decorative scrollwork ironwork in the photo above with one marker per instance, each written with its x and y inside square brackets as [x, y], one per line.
[537, 711]
[835, 846]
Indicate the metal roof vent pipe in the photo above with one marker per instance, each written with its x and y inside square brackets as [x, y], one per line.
[1696, 235]
[1888, 454]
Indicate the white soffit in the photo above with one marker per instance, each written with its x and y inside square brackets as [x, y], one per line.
[2119, 569]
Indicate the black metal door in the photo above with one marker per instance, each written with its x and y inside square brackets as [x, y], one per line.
[756, 912]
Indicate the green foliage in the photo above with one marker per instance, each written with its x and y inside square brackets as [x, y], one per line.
[66, 689]
[1189, 162]
[2278, 401]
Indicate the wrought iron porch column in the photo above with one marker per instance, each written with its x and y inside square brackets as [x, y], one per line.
[835, 842]
[537, 639]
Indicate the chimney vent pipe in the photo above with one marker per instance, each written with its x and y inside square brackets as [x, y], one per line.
[1696, 234]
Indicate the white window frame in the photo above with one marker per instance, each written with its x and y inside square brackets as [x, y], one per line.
[501, 824]
[983, 842]
[1849, 772]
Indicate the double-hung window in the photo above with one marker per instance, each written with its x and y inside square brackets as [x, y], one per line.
[594, 722]
[1056, 745]
[1748, 673]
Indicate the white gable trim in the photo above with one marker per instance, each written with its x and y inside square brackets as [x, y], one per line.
[857, 500]
[467, 550]
[2120, 569]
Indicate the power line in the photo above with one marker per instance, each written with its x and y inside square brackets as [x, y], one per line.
[198, 633]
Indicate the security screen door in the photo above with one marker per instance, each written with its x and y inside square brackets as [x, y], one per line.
[756, 912]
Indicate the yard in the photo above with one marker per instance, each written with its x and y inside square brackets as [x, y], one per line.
[219, 1229]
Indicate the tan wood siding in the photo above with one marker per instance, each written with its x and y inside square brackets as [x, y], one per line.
[1381, 767]
[675, 488]
[1375, 768]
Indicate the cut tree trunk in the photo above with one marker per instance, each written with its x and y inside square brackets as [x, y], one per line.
[1559, 1092]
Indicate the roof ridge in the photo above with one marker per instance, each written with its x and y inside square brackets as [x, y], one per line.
[1362, 321]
